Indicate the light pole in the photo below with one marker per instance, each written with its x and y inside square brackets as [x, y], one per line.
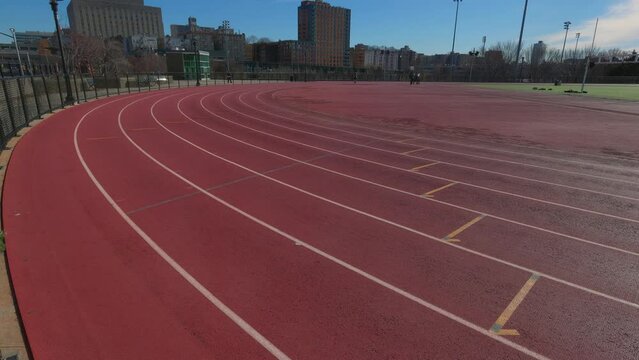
[473, 55]
[69, 99]
[566, 26]
[15, 42]
[576, 44]
[197, 62]
[452, 53]
[521, 32]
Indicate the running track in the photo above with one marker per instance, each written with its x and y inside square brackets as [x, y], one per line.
[327, 221]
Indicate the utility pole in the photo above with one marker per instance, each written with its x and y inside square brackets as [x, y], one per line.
[452, 53]
[197, 62]
[566, 26]
[69, 99]
[15, 42]
[521, 34]
[592, 48]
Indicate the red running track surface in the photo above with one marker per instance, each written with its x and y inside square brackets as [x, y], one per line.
[291, 221]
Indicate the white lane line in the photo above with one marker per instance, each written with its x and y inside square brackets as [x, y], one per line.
[409, 154]
[314, 114]
[442, 150]
[628, 252]
[313, 249]
[428, 175]
[394, 224]
[174, 264]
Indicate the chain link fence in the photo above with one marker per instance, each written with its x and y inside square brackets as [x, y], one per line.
[27, 98]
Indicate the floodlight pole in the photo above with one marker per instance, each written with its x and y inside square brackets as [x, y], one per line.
[69, 99]
[566, 26]
[592, 48]
[452, 53]
[577, 44]
[15, 41]
[521, 34]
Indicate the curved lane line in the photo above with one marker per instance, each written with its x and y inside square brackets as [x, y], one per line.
[315, 113]
[166, 257]
[406, 228]
[431, 176]
[388, 187]
[463, 154]
[313, 249]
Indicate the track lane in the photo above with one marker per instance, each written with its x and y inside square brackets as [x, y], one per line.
[559, 264]
[407, 141]
[601, 187]
[564, 314]
[617, 237]
[86, 286]
[149, 141]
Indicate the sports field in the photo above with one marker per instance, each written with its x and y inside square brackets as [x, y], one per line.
[328, 221]
[602, 91]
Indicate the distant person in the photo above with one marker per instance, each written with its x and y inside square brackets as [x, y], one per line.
[355, 78]
[419, 78]
[229, 78]
[411, 76]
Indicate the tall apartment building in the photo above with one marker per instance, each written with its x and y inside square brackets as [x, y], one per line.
[108, 18]
[324, 31]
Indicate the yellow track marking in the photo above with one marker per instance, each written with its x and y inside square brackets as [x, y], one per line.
[142, 129]
[103, 138]
[510, 310]
[413, 151]
[423, 166]
[451, 237]
[430, 193]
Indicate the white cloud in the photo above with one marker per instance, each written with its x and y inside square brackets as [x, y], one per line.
[618, 28]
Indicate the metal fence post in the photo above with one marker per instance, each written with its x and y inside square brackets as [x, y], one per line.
[75, 85]
[139, 87]
[84, 88]
[117, 83]
[128, 84]
[35, 96]
[22, 100]
[106, 83]
[57, 79]
[12, 116]
[95, 86]
[148, 81]
[46, 91]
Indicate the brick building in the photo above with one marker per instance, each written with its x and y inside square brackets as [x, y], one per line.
[324, 34]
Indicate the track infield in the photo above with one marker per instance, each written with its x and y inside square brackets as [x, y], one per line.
[328, 221]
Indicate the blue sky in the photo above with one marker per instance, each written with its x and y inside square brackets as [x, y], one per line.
[424, 25]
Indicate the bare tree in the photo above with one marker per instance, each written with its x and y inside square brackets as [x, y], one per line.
[508, 49]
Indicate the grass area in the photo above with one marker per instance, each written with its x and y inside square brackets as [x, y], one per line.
[602, 91]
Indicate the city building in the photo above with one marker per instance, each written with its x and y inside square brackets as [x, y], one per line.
[221, 42]
[538, 53]
[182, 65]
[384, 58]
[324, 33]
[140, 44]
[111, 18]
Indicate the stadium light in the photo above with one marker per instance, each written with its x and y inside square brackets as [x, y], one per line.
[576, 44]
[566, 26]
